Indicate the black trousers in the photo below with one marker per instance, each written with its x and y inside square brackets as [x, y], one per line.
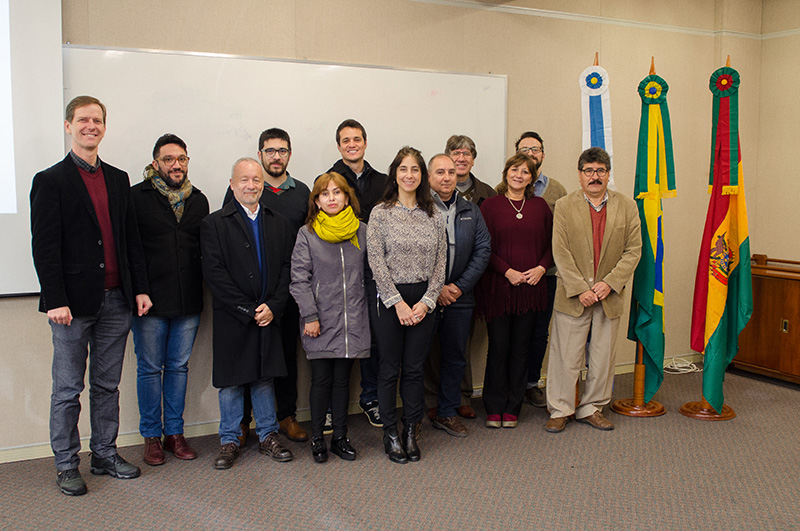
[541, 331]
[403, 352]
[286, 387]
[330, 384]
[507, 362]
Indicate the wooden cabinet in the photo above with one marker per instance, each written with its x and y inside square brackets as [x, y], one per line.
[770, 343]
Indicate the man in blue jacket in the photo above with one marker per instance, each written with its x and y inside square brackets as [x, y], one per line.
[468, 251]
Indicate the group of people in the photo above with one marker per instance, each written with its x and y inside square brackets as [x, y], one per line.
[384, 269]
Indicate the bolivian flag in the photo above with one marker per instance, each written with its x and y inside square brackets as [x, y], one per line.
[655, 178]
[723, 295]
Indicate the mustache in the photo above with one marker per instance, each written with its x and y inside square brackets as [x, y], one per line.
[595, 181]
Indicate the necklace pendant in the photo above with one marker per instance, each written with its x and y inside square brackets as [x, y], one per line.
[519, 215]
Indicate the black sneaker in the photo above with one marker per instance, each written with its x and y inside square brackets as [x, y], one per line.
[115, 466]
[370, 409]
[71, 483]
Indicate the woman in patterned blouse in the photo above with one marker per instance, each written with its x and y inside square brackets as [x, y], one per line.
[407, 251]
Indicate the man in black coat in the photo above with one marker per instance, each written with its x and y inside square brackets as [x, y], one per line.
[369, 185]
[169, 211]
[247, 251]
[89, 261]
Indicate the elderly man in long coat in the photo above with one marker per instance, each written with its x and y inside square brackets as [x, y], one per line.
[247, 251]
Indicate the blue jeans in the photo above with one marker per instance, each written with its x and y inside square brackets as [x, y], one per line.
[452, 325]
[163, 346]
[231, 405]
[102, 336]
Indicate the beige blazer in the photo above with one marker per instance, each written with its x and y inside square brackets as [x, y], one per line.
[573, 251]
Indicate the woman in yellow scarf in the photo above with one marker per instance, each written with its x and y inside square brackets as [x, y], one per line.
[328, 285]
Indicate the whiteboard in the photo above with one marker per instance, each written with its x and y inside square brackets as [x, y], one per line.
[219, 104]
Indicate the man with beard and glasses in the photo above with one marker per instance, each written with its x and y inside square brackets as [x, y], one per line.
[597, 243]
[169, 211]
[288, 197]
[549, 189]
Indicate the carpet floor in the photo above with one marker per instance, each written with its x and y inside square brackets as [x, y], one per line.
[664, 473]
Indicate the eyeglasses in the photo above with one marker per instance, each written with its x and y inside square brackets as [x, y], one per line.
[460, 153]
[600, 172]
[533, 150]
[169, 160]
[270, 152]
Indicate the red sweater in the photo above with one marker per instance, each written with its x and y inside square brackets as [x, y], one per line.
[519, 244]
[96, 185]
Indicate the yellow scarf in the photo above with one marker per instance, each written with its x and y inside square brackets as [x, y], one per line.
[338, 228]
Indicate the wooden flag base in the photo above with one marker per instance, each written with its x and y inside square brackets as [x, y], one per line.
[635, 407]
[702, 410]
[628, 407]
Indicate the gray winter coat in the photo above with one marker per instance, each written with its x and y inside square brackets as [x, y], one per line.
[328, 285]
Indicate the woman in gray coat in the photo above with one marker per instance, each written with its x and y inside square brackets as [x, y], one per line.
[328, 285]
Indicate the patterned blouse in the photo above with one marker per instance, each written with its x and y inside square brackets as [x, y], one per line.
[406, 246]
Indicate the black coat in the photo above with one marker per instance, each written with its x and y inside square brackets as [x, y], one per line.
[67, 243]
[171, 250]
[243, 351]
[374, 183]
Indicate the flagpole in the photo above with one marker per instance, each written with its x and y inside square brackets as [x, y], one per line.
[635, 407]
[727, 213]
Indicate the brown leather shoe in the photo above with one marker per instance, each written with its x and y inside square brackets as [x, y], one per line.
[153, 452]
[598, 421]
[292, 430]
[451, 425]
[245, 432]
[556, 424]
[467, 412]
[272, 447]
[177, 445]
[227, 455]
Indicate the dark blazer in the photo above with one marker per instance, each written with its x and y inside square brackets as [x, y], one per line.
[171, 250]
[243, 351]
[67, 243]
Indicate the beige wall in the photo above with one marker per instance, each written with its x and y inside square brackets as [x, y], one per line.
[541, 46]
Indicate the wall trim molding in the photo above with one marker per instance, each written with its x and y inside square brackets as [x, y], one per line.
[594, 19]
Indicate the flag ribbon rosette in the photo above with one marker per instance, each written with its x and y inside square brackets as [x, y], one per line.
[655, 178]
[596, 112]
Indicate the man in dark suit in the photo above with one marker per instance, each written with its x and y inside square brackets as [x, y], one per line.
[91, 269]
[369, 185]
[247, 249]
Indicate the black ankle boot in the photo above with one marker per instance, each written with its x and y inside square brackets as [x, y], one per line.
[319, 450]
[342, 448]
[410, 442]
[391, 443]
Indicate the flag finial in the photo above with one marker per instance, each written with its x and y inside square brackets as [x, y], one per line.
[596, 62]
[652, 65]
[728, 62]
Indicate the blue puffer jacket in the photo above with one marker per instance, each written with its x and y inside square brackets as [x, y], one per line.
[473, 247]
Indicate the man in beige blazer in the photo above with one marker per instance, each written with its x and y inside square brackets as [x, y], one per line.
[596, 245]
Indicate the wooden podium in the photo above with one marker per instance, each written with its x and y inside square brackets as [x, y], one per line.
[770, 343]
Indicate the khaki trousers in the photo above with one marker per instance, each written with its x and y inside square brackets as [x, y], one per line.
[568, 357]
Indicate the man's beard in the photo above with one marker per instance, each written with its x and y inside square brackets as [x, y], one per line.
[171, 183]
